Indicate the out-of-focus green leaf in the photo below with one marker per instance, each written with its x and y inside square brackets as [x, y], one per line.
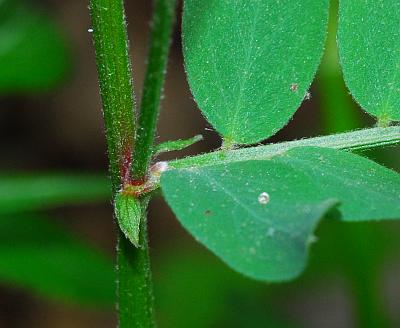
[25, 192]
[259, 216]
[33, 52]
[250, 63]
[218, 296]
[369, 47]
[39, 255]
[361, 252]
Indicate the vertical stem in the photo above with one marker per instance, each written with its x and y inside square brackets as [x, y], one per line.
[136, 307]
[115, 78]
[134, 291]
[162, 26]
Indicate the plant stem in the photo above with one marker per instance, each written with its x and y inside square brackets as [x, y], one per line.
[355, 140]
[134, 289]
[163, 19]
[136, 307]
[115, 78]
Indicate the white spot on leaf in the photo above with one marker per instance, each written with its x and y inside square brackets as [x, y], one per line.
[263, 198]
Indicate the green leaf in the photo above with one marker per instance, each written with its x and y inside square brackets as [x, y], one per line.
[33, 53]
[175, 145]
[128, 213]
[26, 192]
[259, 216]
[220, 206]
[369, 47]
[250, 63]
[366, 190]
[42, 256]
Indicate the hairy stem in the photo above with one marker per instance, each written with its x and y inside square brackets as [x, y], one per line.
[115, 79]
[355, 140]
[162, 25]
[134, 289]
[136, 307]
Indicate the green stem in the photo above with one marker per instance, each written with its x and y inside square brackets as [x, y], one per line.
[115, 79]
[355, 140]
[135, 295]
[136, 307]
[163, 19]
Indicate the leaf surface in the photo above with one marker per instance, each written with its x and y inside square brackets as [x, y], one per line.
[267, 238]
[369, 44]
[250, 63]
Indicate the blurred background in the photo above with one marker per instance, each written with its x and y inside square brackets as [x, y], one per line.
[57, 237]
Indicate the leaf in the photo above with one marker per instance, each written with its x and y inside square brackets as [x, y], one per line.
[175, 145]
[369, 47]
[219, 205]
[42, 256]
[266, 236]
[366, 190]
[250, 64]
[26, 192]
[33, 53]
[128, 213]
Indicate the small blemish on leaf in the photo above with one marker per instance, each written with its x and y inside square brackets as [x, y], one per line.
[294, 87]
[207, 213]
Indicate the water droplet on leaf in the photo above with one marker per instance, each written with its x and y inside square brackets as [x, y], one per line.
[263, 198]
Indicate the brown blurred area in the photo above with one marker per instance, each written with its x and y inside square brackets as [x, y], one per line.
[62, 131]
